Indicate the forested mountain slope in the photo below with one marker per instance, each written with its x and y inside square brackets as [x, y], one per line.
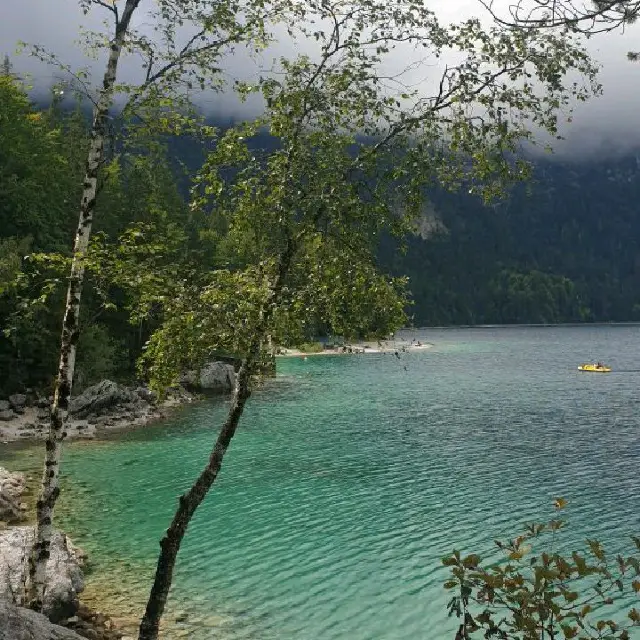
[562, 249]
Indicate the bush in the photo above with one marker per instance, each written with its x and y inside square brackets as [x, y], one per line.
[543, 595]
[311, 347]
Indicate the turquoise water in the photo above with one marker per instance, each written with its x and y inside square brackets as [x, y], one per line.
[351, 476]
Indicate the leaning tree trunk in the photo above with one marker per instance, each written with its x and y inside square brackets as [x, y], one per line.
[50, 488]
[190, 501]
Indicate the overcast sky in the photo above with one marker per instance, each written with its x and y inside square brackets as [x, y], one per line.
[608, 124]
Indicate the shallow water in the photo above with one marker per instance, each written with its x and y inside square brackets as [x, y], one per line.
[351, 477]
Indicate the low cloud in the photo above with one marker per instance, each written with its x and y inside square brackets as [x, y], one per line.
[606, 125]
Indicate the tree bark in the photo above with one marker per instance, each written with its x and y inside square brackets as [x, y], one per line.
[50, 488]
[190, 501]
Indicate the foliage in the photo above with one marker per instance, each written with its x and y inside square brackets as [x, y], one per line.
[325, 196]
[534, 297]
[588, 18]
[536, 592]
[100, 357]
[34, 172]
[311, 347]
[596, 16]
[318, 110]
[572, 225]
[12, 251]
[35, 214]
[37, 217]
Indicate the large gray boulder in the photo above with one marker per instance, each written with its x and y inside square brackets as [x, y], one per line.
[147, 395]
[12, 486]
[104, 398]
[64, 579]
[217, 377]
[18, 402]
[17, 623]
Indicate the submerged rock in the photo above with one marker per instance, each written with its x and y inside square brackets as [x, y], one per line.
[12, 486]
[105, 398]
[17, 623]
[93, 624]
[64, 579]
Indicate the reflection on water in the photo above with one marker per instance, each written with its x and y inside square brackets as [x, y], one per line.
[352, 476]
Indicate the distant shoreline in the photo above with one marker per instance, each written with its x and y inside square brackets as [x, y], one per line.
[559, 325]
[359, 348]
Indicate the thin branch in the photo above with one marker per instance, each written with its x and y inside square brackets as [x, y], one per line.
[606, 16]
[109, 7]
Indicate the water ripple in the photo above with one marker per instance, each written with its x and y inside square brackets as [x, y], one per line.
[352, 476]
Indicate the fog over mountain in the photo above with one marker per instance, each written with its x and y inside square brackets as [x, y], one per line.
[608, 125]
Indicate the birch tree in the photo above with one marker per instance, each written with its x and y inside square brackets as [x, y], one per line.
[596, 16]
[587, 18]
[183, 50]
[302, 223]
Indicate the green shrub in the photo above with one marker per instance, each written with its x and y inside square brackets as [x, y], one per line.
[536, 593]
[311, 347]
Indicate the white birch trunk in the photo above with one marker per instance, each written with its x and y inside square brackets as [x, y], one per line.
[191, 500]
[50, 488]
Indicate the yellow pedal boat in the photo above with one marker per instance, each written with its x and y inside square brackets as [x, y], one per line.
[594, 368]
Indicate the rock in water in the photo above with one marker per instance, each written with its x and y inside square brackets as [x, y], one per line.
[12, 486]
[23, 624]
[103, 398]
[64, 580]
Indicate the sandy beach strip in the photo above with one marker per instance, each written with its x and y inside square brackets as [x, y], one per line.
[385, 346]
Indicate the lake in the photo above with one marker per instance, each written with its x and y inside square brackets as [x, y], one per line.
[351, 476]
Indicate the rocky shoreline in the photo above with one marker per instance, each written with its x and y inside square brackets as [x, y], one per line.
[99, 409]
[109, 406]
[13, 487]
[24, 417]
[17, 623]
[65, 617]
[104, 407]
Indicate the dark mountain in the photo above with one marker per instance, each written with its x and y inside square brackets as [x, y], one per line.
[561, 249]
[564, 249]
